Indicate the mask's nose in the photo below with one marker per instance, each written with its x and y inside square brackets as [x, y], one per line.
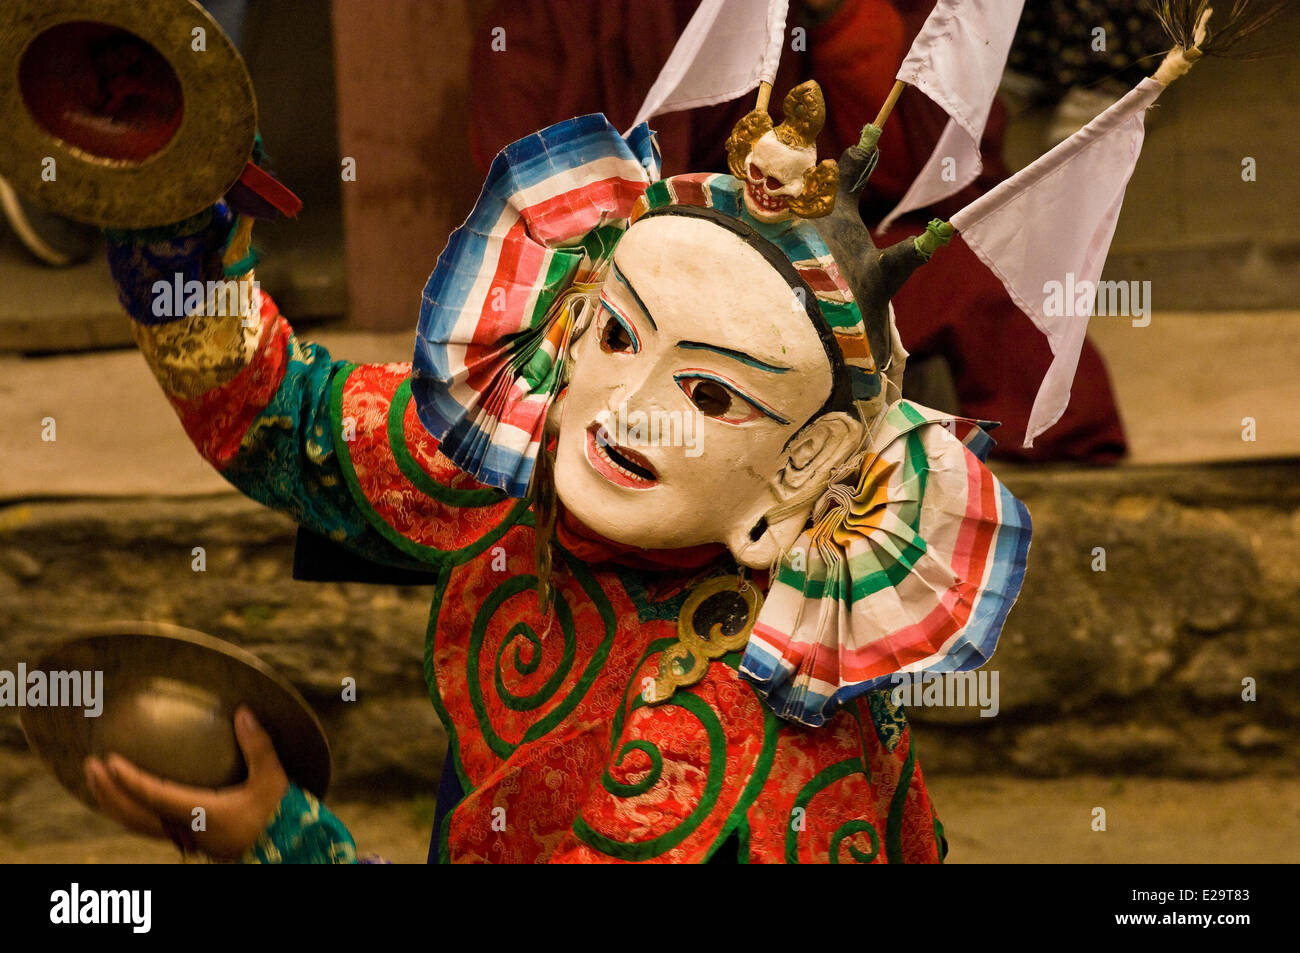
[653, 389]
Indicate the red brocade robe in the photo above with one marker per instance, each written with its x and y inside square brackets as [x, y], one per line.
[559, 756]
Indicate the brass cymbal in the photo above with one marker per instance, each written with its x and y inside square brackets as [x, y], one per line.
[121, 114]
[168, 699]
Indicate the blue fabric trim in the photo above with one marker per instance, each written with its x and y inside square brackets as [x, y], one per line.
[189, 251]
[450, 794]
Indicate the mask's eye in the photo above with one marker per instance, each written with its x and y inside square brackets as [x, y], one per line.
[711, 398]
[755, 173]
[773, 183]
[716, 400]
[616, 335]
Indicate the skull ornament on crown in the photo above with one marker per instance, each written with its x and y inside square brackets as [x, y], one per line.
[779, 165]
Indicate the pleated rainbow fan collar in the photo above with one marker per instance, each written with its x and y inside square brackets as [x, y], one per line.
[908, 569]
[508, 290]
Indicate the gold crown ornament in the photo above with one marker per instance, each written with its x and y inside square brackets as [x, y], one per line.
[779, 164]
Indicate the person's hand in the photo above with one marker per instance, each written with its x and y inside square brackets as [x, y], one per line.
[233, 817]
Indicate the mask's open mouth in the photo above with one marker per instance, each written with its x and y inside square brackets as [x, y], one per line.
[758, 195]
[618, 465]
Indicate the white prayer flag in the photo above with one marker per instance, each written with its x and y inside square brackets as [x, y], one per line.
[957, 60]
[727, 49]
[1046, 230]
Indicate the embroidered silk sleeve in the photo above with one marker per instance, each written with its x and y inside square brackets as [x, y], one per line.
[279, 418]
[303, 831]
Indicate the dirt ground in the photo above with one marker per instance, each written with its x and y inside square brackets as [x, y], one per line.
[1148, 820]
[988, 820]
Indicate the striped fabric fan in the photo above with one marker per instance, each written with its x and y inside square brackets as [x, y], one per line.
[913, 569]
[513, 284]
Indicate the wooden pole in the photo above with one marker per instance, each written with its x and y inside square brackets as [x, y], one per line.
[764, 96]
[888, 107]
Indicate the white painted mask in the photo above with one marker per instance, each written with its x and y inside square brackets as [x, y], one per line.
[689, 412]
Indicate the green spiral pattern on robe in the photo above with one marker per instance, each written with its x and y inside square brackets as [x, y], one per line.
[645, 850]
[619, 789]
[525, 587]
[848, 830]
[528, 634]
[819, 783]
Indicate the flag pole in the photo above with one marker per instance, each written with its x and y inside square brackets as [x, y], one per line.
[888, 106]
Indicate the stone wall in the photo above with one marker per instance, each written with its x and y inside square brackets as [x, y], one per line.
[1137, 669]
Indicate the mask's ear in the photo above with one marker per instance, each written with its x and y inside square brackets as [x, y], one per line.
[810, 456]
[817, 449]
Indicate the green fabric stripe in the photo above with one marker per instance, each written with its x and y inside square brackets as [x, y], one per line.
[427, 554]
[869, 572]
[540, 371]
[840, 315]
[910, 413]
[599, 242]
[916, 467]
[889, 575]
[897, 807]
[423, 481]
[559, 275]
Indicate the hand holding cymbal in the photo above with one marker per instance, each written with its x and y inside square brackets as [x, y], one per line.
[222, 823]
[177, 720]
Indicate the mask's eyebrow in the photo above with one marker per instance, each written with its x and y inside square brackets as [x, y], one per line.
[618, 276]
[734, 355]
